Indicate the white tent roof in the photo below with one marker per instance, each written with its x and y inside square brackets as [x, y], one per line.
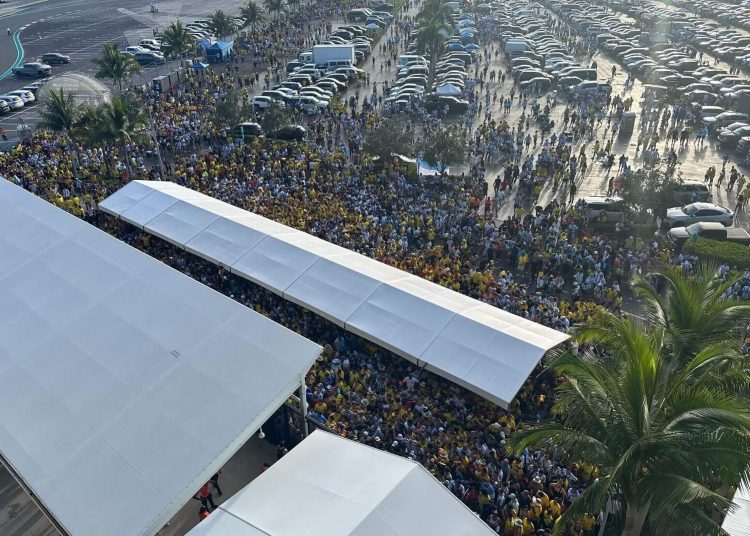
[737, 523]
[481, 347]
[125, 384]
[338, 487]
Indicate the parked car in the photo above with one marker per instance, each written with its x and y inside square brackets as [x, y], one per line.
[261, 102]
[455, 105]
[55, 57]
[149, 58]
[697, 212]
[606, 208]
[290, 133]
[691, 191]
[33, 70]
[26, 96]
[247, 130]
[712, 230]
[14, 101]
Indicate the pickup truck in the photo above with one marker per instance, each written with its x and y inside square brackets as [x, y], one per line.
[33, 70]
[712, 230]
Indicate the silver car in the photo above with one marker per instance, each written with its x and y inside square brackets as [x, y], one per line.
[696, 212]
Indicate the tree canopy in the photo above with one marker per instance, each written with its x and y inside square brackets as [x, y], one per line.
[176, 40]
[444, 148]
[655, 415]
[115, 65]
[392, 136]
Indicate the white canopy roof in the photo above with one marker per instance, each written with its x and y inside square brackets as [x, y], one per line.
[125, 384]
[480, 347]
[337, 487]
[737, 523]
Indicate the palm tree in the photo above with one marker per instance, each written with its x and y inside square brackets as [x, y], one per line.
[115, 64]
[275, 7]
[221, 24]
[118, 122]
[251, 13]
[692, 311]
[431, 38]
[436, 10]
[176, 40]
[60, 112]
[662, 436]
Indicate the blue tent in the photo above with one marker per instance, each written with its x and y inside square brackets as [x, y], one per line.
[219, 52]
[456, 46]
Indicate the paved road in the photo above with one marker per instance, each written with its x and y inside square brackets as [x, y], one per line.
[18, 515]
[79, 28]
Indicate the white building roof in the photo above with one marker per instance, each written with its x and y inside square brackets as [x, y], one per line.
[483, 348]
[737, 522]
[125, 384]
[332, 486]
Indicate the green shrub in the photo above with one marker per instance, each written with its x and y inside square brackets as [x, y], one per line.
[723, 252]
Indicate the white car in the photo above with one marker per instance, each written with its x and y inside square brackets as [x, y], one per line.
[261, 102]
[14, 101]
[316, 92]
[697, 212]
[135, 49]
[349, 72]
[26, 96]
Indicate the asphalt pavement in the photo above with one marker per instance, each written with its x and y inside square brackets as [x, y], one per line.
[80, 28]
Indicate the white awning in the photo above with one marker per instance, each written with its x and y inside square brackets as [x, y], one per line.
[737, 522]
[332, 486]
[125, 384]
[485, 349]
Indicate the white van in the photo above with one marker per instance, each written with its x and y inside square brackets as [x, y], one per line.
[332, 65]
[406, 58]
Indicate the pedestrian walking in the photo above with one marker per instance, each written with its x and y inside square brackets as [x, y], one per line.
[215, 483]
[205, 497]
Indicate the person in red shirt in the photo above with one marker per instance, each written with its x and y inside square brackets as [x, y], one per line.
[205, 497]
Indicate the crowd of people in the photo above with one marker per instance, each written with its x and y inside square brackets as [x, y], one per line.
[555, 264]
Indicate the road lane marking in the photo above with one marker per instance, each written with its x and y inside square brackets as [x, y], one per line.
[19, 53]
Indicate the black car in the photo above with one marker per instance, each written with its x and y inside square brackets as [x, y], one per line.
[290, 133]
[439, 102]
[55, 57]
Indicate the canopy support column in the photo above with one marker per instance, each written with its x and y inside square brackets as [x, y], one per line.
[303, 407]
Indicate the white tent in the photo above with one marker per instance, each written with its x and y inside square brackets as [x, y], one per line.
[485, 349]
[332, 486]
[448, 89]
[737, 522]
[125, 384]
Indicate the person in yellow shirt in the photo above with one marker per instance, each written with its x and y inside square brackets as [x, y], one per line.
[510, 524]
[588, 523]
[543, 499]
[554, 508]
